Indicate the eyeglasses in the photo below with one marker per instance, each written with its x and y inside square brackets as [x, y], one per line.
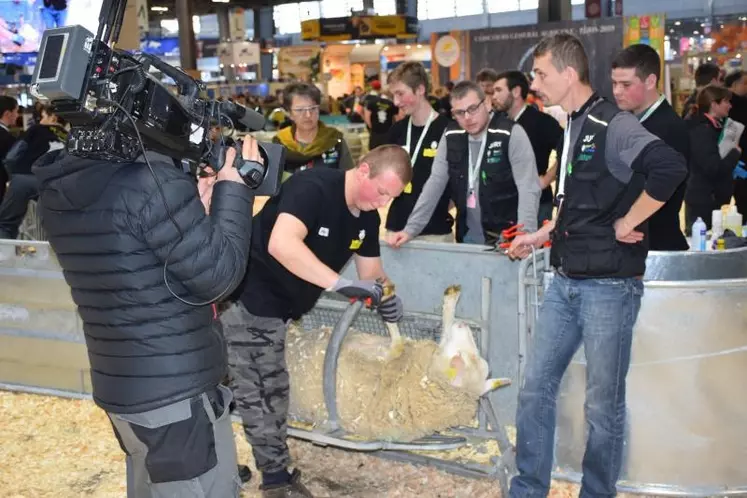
[305, 110]
[470, 111]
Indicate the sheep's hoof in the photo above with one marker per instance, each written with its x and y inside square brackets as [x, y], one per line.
[453, 289]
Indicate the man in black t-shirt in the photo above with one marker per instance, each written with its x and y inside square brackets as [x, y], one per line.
[419, 134]
[301, 240]
[379, 115]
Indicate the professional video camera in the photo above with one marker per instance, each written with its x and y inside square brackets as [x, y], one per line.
[117, 109]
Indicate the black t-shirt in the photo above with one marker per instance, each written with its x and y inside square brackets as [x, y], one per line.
[544, 133]
[402, 206]
[317, 198]
[383, 112]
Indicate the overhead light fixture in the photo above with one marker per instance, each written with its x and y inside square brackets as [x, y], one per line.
[157, 8]
[696, 32]
[221, 1]
[678, 23]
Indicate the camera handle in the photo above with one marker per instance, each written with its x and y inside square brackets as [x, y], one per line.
[252, 172]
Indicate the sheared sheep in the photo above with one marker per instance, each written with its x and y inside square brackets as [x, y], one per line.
[397, 391]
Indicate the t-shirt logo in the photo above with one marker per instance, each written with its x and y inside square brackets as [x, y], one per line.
[324, 232]
[356, 244]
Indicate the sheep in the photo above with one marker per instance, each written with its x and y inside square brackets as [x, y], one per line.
[400, 391]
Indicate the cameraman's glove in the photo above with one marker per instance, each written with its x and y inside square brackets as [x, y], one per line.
[359, 289]
[392, 309]
[740, 173]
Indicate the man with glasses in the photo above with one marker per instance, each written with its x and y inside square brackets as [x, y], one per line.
[309, 142]
[488, 163]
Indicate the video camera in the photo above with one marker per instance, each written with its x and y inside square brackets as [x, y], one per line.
[117, 109]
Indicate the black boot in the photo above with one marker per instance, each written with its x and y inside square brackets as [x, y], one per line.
[244, 474]
[292, 489]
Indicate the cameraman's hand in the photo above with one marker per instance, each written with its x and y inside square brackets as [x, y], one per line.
[205, 188]
[359, 289]
[249, 151]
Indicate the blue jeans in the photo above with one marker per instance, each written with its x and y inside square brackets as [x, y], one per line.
[53, 18]
[600, 314]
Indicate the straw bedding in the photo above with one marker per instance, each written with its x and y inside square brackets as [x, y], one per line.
[62, 448]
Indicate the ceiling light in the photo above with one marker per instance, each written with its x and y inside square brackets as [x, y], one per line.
[696, 32]
[157, 8]
[677, 23]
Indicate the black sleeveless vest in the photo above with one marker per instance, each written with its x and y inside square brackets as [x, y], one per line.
[583, 242]
[497, 193]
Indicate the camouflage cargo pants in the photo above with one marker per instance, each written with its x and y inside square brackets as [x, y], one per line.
[259, 380]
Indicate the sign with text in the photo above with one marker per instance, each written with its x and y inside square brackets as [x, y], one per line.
[359, 28]
[511, 48]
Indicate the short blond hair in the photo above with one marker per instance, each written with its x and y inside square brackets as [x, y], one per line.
[412, 74]
[389, 157]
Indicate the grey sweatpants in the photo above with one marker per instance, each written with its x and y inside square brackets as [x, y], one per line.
[185, 449]
[259, 379]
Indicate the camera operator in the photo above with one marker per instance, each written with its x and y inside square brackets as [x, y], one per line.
[131, 238]
[302, 239]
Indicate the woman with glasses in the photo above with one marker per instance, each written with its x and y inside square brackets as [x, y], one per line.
[309, 142]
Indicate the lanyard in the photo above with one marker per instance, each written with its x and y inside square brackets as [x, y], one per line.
[474, 167]
[414, 155]
[564, 161]
[653, 108]
[518, 116]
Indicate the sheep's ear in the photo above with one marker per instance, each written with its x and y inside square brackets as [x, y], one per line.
[492, 384]
[455, 372]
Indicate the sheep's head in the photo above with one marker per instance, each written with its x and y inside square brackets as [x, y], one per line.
[458, 362]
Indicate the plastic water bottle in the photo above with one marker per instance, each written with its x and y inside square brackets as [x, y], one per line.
[699, 235]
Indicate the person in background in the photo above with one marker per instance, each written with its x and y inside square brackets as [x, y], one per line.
[354, 105]
[419, 134]
[46, 136]
[511, 90]
[301, 241]
[444, 106]
[279, 116]
[635, 86]
[487, 161]
[309, 142]
[706, 74]
[8, 117]
[737, 83]
[599, 256]
[486, 78]
[54, 13]
[379, 116]
[711, 184]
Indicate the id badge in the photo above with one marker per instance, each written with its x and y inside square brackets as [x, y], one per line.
[472, 200]
[408, 188]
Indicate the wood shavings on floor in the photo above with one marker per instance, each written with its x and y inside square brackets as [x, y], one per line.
[62, 448]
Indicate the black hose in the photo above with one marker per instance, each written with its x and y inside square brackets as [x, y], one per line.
[331, 358]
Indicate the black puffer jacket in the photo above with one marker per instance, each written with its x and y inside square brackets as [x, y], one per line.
[110, 230]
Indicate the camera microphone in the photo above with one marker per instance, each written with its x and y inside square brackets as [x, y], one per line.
[249, 118]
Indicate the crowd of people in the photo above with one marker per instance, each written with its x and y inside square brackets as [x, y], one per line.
[148, 261]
